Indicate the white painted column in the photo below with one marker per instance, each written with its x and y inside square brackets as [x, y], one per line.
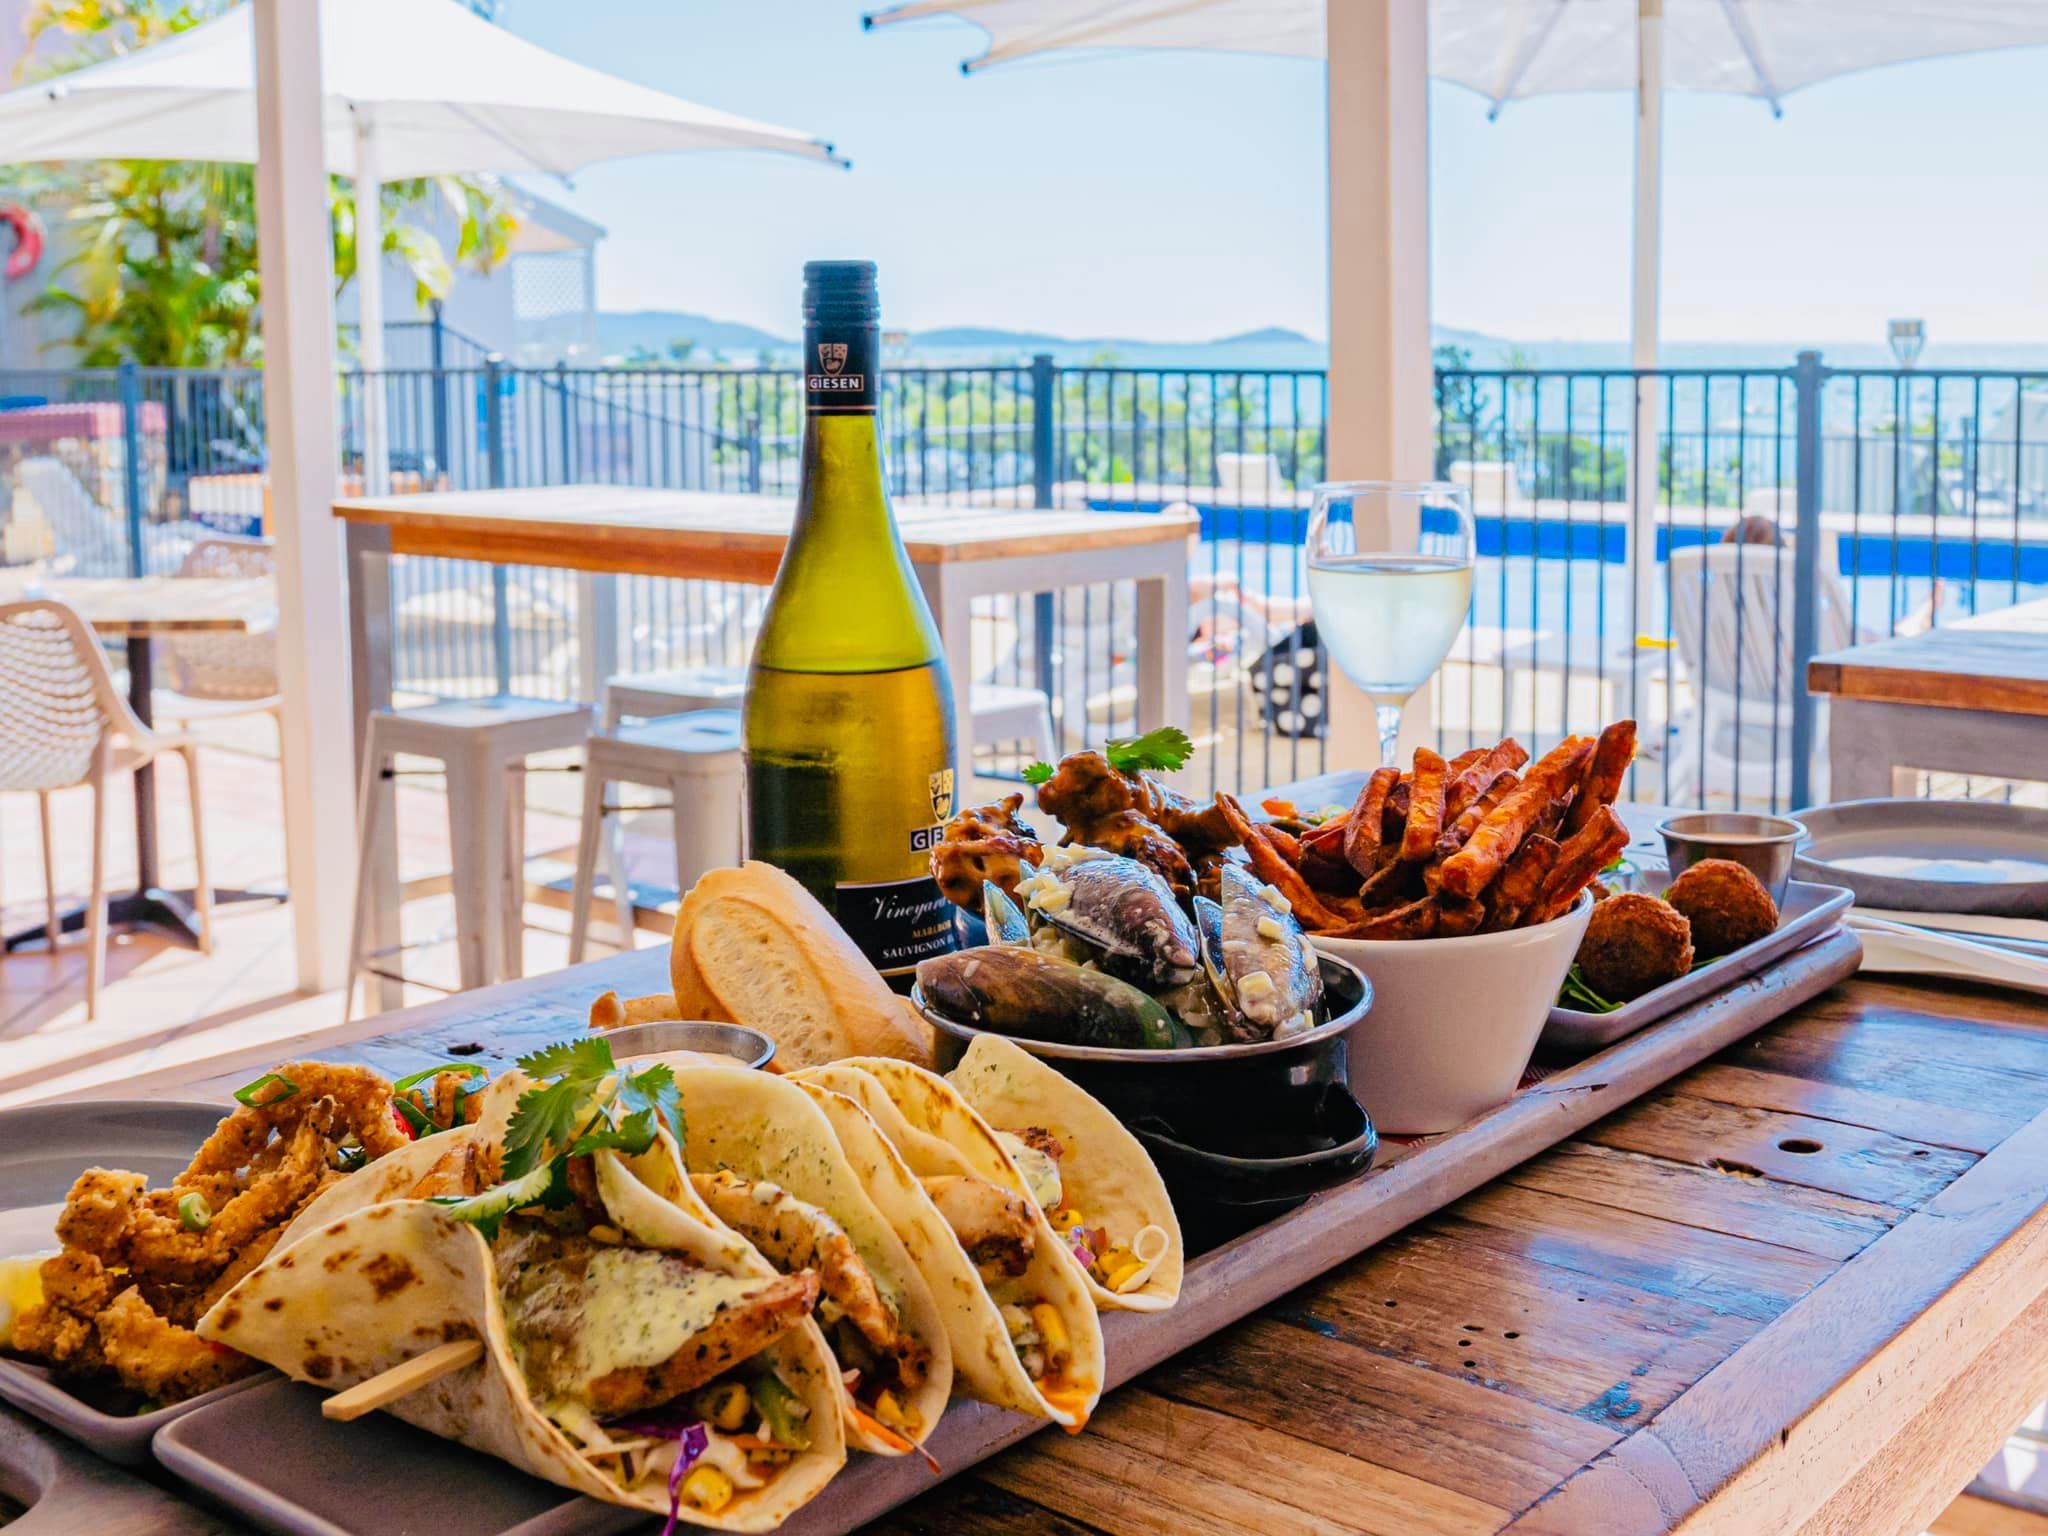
[1645, 277]
[369, 204]
[1381, 378]
[297, 270]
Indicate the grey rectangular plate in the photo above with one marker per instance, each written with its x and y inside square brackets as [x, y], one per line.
[43, 1149]
[1809, 910]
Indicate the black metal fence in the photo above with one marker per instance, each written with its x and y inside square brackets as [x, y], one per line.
[1673, 543]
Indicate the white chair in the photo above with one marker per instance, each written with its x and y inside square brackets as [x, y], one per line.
[213, 676]
[483, 745]
[1250, 479]
[696, 758]
[63, 722]
[93, 538]
[1731, 622]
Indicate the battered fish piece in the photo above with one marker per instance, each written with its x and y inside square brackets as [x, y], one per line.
[1634, 944]
[794, 1235]
[1727, 906]
[993, 1225]
[620, 1328]
[159, 1358]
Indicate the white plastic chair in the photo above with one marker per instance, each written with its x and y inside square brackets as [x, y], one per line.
[94, 538]
[211, 676]
[63, 722]
[1731, 622]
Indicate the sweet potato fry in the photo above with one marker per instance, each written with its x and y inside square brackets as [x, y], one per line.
[1468, 871]
[1323, 867]
[1520, 882]
[1288, 844]
[1416, 920]
[1425, 807]
[1389, 885]
[1466, 759]
[1457, 832]
[1270, 867]
[1331, 831]
[1580, 859]
[1456, 917]
[1397, 811]
[1474, 781]
[1602, 781]
[1362, 829]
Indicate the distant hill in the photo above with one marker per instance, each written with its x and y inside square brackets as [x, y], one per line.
[620, 331]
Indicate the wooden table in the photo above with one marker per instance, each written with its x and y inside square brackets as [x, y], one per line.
[138, 609]
[1801, 1288]
[1970, 697]
[959, 554]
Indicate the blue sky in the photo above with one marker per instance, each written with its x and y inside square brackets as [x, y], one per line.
[1180, 196]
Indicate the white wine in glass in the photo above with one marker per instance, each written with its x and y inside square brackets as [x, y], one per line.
[1390, 574]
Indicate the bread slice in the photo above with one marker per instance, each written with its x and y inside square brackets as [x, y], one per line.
[753, 947]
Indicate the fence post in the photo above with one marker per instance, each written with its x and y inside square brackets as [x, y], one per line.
[130, 378]
[1809, 380]
[752, 428]
[1044, 623]
[494, 468]
[437, 339]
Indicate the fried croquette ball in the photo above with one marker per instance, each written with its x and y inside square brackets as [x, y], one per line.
[1633, 944]
[1727, 906]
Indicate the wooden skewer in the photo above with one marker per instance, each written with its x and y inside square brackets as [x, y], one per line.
[408, 1377]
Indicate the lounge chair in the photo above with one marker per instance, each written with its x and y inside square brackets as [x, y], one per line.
[93, 539]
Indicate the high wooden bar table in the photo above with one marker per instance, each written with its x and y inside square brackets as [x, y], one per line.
[1970, 697]
[1800, 1290]
[958, 553]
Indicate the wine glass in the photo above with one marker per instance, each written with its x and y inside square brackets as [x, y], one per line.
[1390, 574]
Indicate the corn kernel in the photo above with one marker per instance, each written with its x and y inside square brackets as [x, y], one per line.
[1059, 1347]
[708, 1489]
[1121, 1273]
[892, 1411]
[724, 1406]
[1065, 1219]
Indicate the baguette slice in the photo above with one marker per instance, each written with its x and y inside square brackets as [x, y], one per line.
[753, 947]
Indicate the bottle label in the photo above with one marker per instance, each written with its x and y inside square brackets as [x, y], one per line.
[839, 369]
[897, 922]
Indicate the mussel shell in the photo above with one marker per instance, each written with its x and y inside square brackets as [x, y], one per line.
[1021, 992]
[1002, 916]
[1129, 914]
[1287, 961]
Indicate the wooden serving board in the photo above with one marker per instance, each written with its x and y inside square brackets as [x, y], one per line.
[1410, 1180]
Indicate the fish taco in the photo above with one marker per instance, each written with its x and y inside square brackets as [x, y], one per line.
[632, 1350]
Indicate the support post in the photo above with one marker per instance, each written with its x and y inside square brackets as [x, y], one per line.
[1645, 279]
[369, 205]
[1044, 479]
[1809, 381]
[297, 272]
[494, 461]
[130, 384]
[438, 339]
[1380, 371]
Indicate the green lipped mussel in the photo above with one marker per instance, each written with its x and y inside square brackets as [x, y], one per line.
[1033, 996]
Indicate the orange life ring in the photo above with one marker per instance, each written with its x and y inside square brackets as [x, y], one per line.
[28, 239]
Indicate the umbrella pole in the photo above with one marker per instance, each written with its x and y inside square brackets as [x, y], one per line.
[369, 188]
[1643, 324]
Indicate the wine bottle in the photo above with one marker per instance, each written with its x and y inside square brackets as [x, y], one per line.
[849, 711]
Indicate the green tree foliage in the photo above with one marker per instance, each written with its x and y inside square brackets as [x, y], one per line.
[164, 270]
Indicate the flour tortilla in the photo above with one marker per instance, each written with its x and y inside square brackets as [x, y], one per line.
[380, 1283]
[766, 1129]
[1106, 1172]
[867, 1122]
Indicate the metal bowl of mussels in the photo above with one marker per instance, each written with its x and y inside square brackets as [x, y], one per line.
[1197, 1027]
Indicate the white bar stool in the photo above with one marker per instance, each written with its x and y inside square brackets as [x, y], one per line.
[483, 745]
[649, 695]
[696, 758]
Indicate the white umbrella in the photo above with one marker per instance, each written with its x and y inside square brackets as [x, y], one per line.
[412, 88]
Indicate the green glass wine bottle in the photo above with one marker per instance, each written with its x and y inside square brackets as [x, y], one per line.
[849, 712]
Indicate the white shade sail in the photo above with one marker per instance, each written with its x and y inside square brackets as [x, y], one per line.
[1507, 49]
[443, 90]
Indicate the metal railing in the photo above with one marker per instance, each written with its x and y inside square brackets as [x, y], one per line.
[1872, 500]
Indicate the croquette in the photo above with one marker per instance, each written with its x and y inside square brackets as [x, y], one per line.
[1727, 906]
[1634, 943]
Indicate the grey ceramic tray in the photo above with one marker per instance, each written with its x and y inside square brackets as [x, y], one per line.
[43, 1149]
[1809, 910]
[1978, 857]
[268, 1455]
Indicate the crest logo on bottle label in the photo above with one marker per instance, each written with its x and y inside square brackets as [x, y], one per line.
[832, 355]
[942, 794]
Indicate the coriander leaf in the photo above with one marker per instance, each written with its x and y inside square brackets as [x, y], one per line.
[1166, 749]
[632, 1135]
[589, 1058]
[544, 1120]
[654, 1091]
[1038, 773]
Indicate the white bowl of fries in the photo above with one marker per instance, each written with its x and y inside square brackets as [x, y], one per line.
[1454, 1021]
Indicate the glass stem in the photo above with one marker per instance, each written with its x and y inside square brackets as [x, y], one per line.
[1389, 717]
